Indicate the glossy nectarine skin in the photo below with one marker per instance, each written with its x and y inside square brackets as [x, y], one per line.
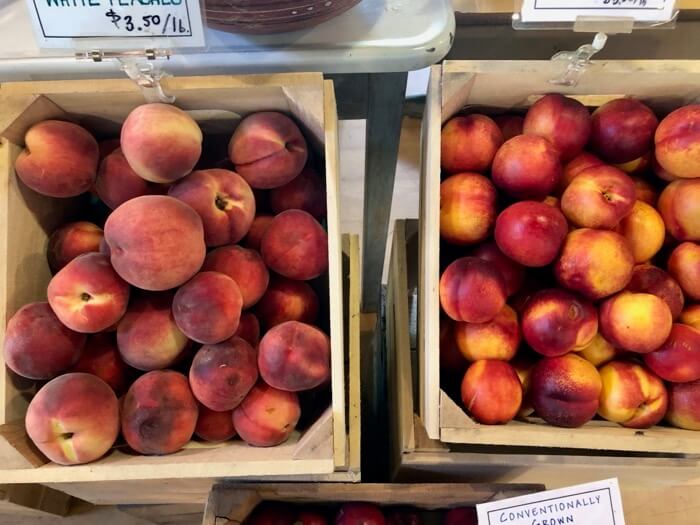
[512, 272]
[684, 405]
[677, 141]
[647, 278]
[472, 290]
[679, 209]
[469, 143]
[467, 208]
[491, 392]
[623, 130]
[684, 266]
[527, 167]
[691, 316]
[496, 339]
[644, 230]
[678, 359]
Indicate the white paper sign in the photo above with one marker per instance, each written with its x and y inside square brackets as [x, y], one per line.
[570, 10]
[117, 24]
[596, 503]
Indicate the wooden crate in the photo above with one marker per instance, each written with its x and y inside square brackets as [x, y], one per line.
[497, 87]
[217, 103]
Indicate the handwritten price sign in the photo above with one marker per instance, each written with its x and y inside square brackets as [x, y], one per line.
[117, 24]
[570, 10]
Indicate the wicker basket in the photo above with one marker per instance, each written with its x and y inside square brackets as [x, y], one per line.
[272, 16]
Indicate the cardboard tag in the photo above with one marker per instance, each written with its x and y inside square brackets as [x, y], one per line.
[597, 503]
[117, 24]
[570, 10]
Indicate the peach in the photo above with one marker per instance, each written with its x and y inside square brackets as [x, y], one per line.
[156, 242]
[527, 167]
[256, 232]
[467, 208]
[244, 266]
[59, 160]
[684, 266]
[249, 329]
[575, 166]
[106, 147]
[623, 130]
[599, 351]
[294, 356]
[87, 295]
[117, 183]
[565, 390]
[491, 392]
[304, 192]
[159, 413]
[531, 233]
[644, 230]
[678, 205]
[556, 322]
[691, 316]
[678, 359]
[631, 395]
[71, 240]
[650, 279]
[73, 419]
[523, 364]
[268, 149]
[636, 322]
[287, 300]
[148, 337]
[223, 200]
[472, 290]
[37, 345]
[469, 143]
[677, 142]
[161, 142]
[101, 358]
[599, 197]
[510, 125]
[684, 405]
[496, 339]
[215, 426]
[452, 361]
[594, 263]
[295, 245]
[267, 416]
[512, 272]
[645, 192]
[222, 374]
[561, 120]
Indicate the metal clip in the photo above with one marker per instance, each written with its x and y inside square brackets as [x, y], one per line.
[147, 76]
[578, 61]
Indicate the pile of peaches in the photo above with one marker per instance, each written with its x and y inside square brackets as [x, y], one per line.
[571, 265]
[153, 320]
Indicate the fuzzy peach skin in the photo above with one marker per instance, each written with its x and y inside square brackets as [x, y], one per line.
[623, 130]
[491, 392]
[645, 191]
[268, 149]
[556, 322]
[580, 162]
[117, 183]
[71, 240]
[37, 345]
[527, 167]
[73, 419]
[156, 242]
[161, 142]
[599, 351]
[561, 120]
[678, 205]
[467, 208]
[215, 426]
[159, 413]
[244, 266]
[257, 231]
[523, 364]
[599, 197]
[565, 390]
[594, 263]
[644, 230]
[249, 329]
[531, 233]
[677, 141]
[101, 358]
[87, 295]
[472, 290]
[267, 416]
[684, 266]
[305, 192]
[631, 395]
[59, 160]
[496, 339]
[684, 405]
[512, 272]
[295, 245]
[647, 278]
[636, 322]
[287, 300]
[148, 337]
[106, 147]
[224, 201]
[691, 316]
[221, 375]
[510, 125]
[207, 308]
[469, 143]
[678, 359]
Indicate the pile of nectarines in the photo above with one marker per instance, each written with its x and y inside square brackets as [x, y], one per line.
[153, 322]
[570, 264]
